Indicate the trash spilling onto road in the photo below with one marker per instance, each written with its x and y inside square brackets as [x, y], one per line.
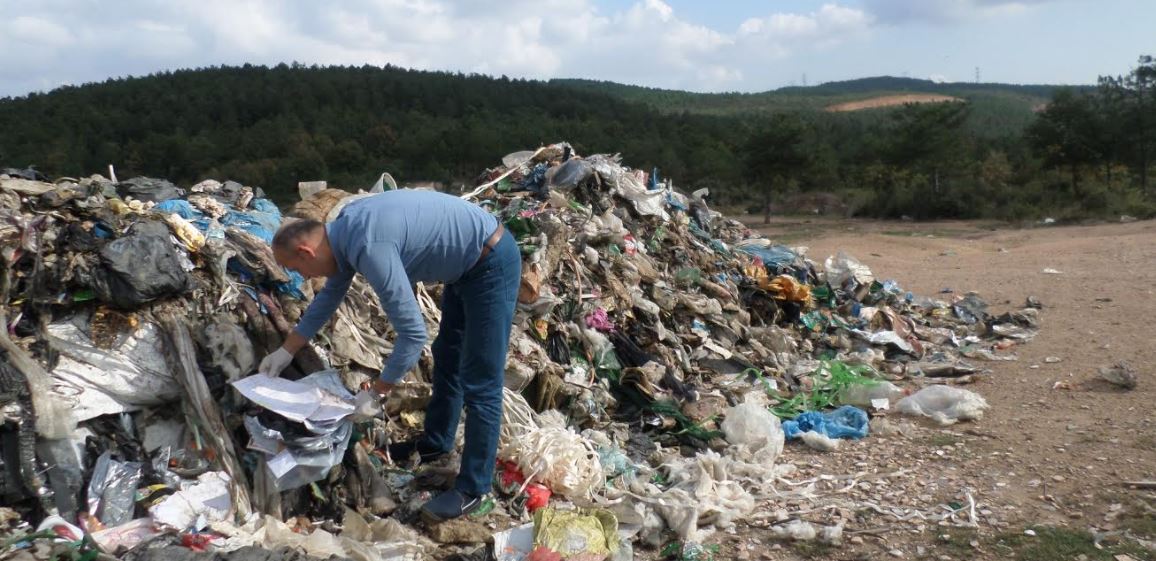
[668, 367]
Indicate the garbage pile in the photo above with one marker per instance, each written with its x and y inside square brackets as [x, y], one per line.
[661, 358]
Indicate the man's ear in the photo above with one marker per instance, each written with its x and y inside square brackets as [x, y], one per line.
[305, 250]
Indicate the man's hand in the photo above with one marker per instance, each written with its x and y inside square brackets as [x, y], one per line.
[381, 388]
[273, 364]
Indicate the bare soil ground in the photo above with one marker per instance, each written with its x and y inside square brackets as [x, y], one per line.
[1057, 445]
[888, 101]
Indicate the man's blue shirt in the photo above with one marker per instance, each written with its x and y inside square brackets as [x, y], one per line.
[396, 239]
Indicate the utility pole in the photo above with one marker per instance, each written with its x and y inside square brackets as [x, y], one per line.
[977, 74]
[804, 79]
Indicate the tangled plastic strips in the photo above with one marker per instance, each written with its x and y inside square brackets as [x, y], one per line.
[557, 457]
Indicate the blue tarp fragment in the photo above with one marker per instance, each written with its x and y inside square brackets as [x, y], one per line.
[262, 221]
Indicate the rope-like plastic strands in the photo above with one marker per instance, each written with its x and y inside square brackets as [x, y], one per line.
[518, 418]
[559, 458]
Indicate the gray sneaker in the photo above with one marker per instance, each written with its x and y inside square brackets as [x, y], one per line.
[449, 505]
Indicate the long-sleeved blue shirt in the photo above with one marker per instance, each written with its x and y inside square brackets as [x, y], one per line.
[395, 239]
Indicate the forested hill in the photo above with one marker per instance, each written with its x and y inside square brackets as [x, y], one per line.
[990, 152]
[996, 108]
[275, 126]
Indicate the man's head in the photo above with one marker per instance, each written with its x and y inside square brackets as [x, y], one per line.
[303, 245]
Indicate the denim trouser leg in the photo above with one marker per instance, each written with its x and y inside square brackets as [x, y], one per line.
[488, 294]
[445, 406]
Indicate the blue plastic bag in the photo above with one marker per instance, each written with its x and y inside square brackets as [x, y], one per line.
[262, 221]
[776, 256]
[847, 421]
[180, 207]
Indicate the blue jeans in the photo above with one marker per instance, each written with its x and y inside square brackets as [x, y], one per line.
[470, 363]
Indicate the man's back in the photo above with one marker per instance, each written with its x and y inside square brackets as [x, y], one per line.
[438, 237]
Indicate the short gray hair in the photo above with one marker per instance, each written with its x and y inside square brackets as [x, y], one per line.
[292, 232]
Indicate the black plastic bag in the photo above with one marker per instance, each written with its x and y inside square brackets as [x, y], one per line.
[28, 173]
[148, 189]
[568, 175]
[139, 268]
[629, 353]
[558, 348]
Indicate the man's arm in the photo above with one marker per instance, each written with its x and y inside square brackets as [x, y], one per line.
[381, 264]
[320, 310]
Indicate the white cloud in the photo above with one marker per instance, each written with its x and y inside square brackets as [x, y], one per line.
[648, 42]
[37, 31]
[778, 36]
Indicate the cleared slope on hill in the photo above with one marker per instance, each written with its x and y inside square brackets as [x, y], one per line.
[889, 101]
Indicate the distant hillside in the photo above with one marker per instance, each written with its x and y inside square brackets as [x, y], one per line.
[272, 127]
[996, 108]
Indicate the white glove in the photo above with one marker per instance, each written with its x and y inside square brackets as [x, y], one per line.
[366, 405]
[275, 362]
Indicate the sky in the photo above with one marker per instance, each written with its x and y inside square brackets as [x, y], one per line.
[695, 45]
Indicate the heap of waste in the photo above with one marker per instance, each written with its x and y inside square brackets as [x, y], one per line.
[662, 353]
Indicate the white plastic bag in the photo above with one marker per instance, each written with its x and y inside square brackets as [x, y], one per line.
[750, 425]
[842, 268]
[945, 404]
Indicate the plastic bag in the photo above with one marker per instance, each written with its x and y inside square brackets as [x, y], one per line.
[750, 424]
[845, 422]
[576, 532]
[112, 490]
[776, 257]
[569, 174]
[819, 441]
[971, 309]
[147, 189]
[868, 395]
[139, 268]
[944, 404]
[842, 268]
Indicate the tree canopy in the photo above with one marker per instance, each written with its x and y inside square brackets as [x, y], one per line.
[272, 127]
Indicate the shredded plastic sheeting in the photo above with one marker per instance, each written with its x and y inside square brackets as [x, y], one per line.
[381, 540]
[196, 503]
[322, 404]
[91, 381]
[703, 494]
[518, 419]
[646, 202]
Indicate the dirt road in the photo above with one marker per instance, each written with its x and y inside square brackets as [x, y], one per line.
[1058, 443]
